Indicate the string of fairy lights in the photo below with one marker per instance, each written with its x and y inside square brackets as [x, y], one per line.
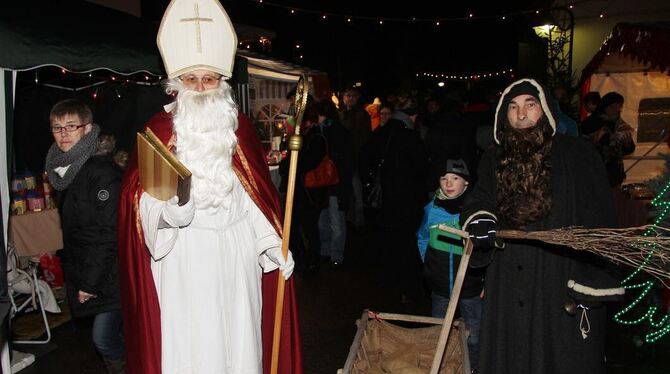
[96, 78]
[659, 324]
[350, 18]
[471, 76]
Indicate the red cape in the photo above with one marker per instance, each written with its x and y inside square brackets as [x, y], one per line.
[141, 312]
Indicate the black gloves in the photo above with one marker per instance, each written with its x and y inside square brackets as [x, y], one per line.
[482, 231]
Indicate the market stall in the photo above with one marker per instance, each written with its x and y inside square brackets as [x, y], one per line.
[634, 61]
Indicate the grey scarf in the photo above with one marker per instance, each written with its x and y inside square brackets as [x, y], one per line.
[75, 158]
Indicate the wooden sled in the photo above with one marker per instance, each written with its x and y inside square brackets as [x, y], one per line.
[381, 347]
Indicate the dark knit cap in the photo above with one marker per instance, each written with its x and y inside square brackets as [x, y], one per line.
[458, 167]
[522, 88]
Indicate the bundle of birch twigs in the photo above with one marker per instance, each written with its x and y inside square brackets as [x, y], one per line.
[646, 247]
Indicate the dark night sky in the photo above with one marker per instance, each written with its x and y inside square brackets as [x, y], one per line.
[386, 57]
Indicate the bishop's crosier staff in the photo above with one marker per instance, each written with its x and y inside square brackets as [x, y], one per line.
[294, 144]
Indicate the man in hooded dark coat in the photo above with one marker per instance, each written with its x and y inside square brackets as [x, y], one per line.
[544, 308]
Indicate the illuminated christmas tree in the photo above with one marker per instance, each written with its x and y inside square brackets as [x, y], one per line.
[634, 313]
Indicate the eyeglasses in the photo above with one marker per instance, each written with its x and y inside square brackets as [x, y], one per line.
[67, 128]
[206, 80]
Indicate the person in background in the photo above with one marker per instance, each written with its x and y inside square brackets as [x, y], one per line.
[87, 191]
[373, 111]
[121, 158]
[385, 112]
[590, 102]
[308, 202]
[355, 119]
[611, 135]
[396, 216]
[332, 221]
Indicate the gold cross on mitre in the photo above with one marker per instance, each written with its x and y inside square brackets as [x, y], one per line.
[197, 21]
[215, 39]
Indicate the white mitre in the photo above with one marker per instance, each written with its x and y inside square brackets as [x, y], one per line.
[194, 35]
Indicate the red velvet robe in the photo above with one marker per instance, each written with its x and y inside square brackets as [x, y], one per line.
[140, 306]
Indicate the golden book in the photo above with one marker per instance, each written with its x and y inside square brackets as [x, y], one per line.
[161, 174]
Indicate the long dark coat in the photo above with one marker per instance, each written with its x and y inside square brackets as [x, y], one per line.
[88, 208]
[402, 174]
[525, 327]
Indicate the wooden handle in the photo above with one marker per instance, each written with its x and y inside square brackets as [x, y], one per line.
[281, 283]
[503, 234]
[451, 308]
[295, 143]
[461, 233]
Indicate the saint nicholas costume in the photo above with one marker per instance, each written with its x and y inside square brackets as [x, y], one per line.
[201, 298]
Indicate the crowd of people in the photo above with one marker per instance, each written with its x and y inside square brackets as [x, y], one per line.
[182, 286]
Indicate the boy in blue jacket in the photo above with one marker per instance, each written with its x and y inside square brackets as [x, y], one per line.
[439, 253]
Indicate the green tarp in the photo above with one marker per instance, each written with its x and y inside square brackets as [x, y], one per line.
[76, 35]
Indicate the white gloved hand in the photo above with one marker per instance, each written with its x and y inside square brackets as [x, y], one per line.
[178, 216]
[285, 265]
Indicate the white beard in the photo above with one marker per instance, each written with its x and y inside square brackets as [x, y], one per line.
[205, 124]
